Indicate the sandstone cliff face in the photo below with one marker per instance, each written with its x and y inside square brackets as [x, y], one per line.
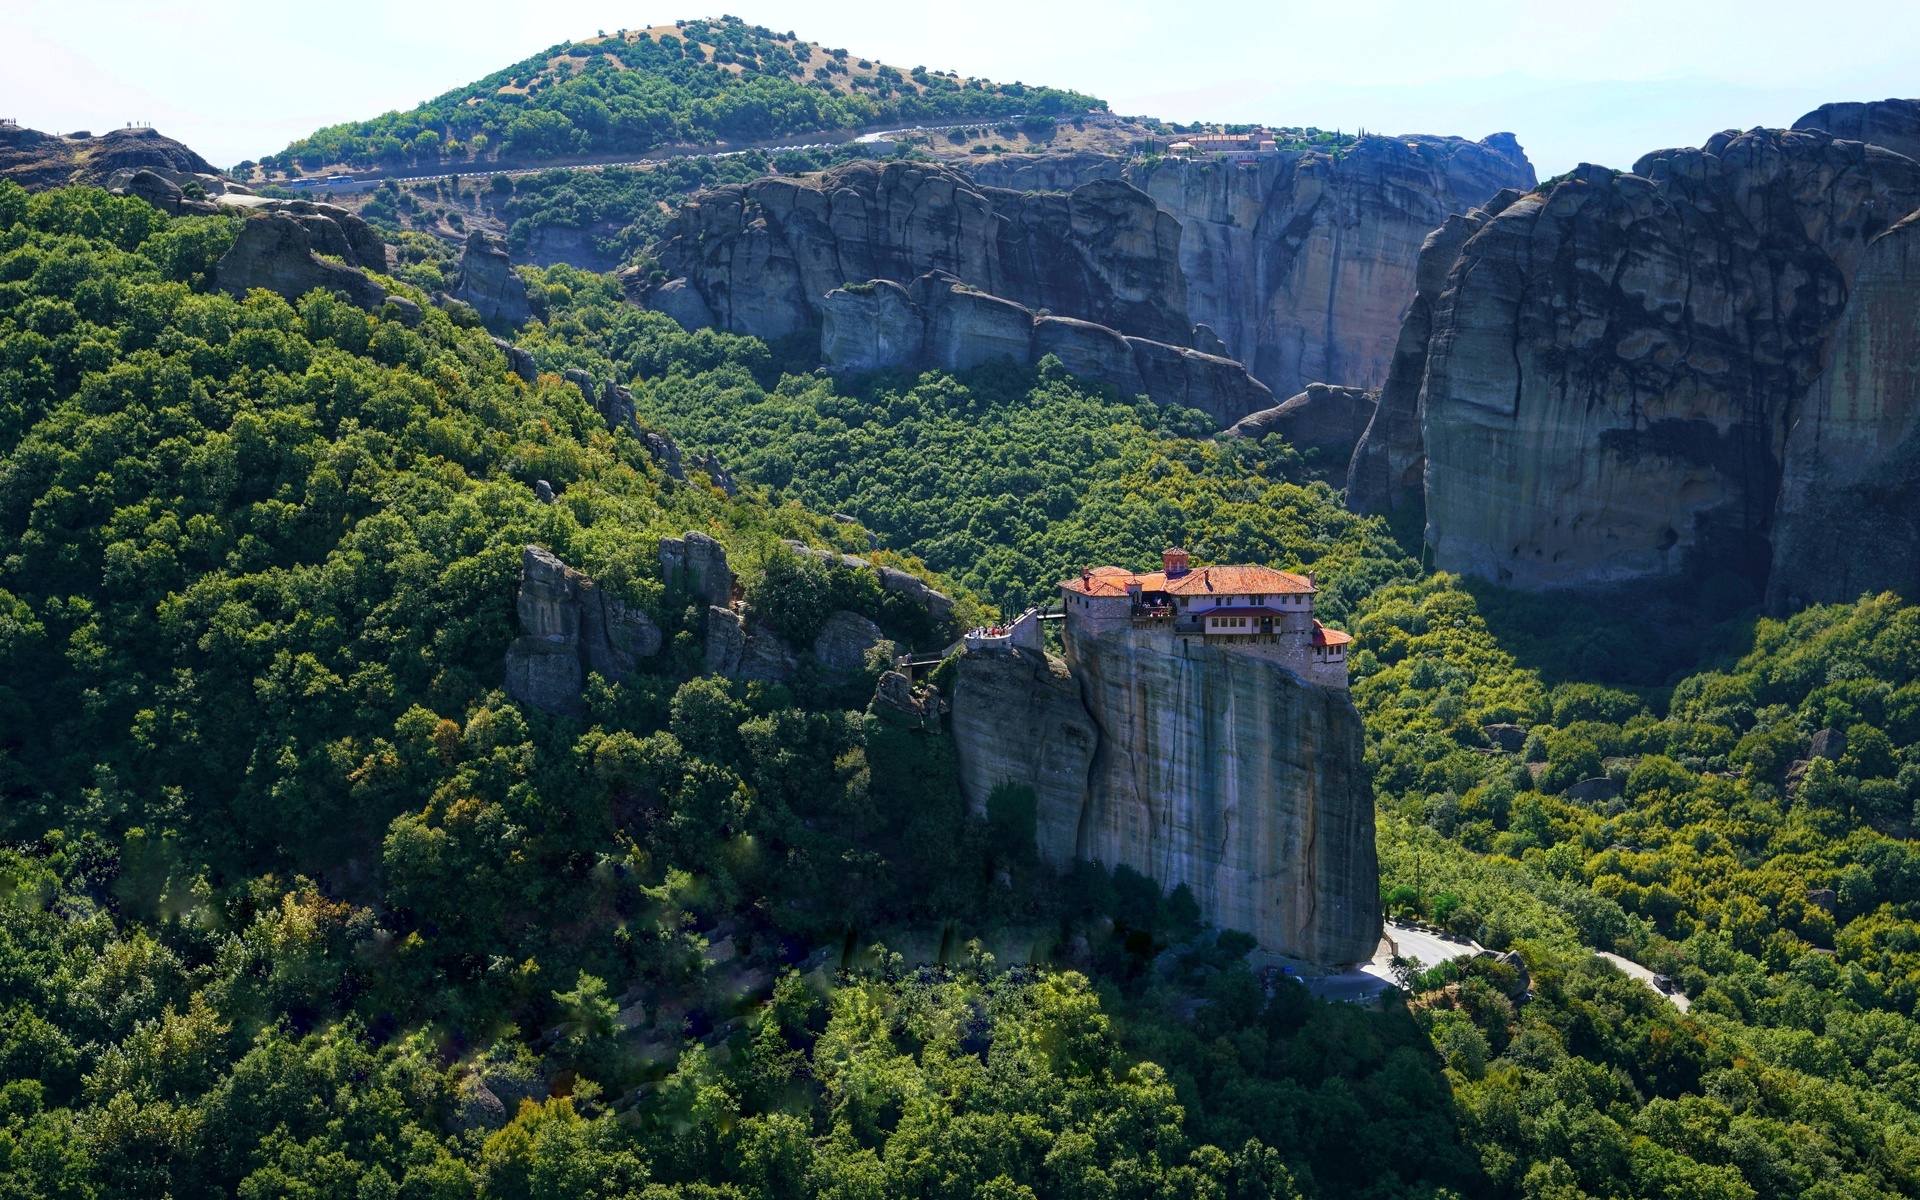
[487, 281]
[942, 323]
[276, 251]
[1192, 765]
[1849, 518]
[1613, 366]
[1894, 124]
[1230, 774]
[1018, 717]
[1302, 263]
[759, 258]
[570, 627]
[1389, 462]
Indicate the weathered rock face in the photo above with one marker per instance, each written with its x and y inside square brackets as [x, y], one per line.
[695, 567]
[486, 280]
[1613, 366]
[276, 251]
[38, 160]
[760, 257]
[1894, 124]
[843, 642]
[739, 649]
[1018, 717]
[1323, 417]
[1200, 766]
[1849, 515]
[1389, 462]
[870, 327]
[943, 323]
[1302, 264]
[569, 627]
[1229, 774]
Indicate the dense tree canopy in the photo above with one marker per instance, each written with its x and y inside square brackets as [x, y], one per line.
[294, 901]
[710, 80]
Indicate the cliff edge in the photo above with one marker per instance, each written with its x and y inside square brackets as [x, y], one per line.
[1191, 763]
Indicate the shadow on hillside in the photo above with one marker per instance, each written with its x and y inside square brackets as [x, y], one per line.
[1645, 645]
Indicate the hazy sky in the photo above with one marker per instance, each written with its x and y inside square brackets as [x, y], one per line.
[1594, 81]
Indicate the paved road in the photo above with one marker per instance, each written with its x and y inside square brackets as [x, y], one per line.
[1629, 967]
[1364, 983]
[368, 182]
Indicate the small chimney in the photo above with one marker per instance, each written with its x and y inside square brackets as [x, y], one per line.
[1174, 560]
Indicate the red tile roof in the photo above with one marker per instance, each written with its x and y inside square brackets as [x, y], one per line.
[1201, 581]
[1322, 636]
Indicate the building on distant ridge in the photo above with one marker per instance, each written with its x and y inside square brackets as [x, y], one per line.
[1250, 609]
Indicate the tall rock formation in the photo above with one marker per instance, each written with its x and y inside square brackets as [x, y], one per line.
[1849, 518]
[1302, 261]
[760, 257]
[1389, 461]
[1613, 365]
[1190, 763]
[487, 281]
[570, 627]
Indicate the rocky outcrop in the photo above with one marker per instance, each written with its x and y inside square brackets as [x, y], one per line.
[37, 160]
[1017, 718]
[937, 604]
[741, 649]
[1389, 461]
[1301, 263]
[942, 323]
[1614, 365]
[1323, 417]
[1849, 511]
[760, 257]
[486, 280]
[1191, 764]
[842, 645]
[1894, 124]
[571, 627]
[694, 567]
[165, 195]
[1229, 774]
[865, 327]
[276, 251]
[519, 361]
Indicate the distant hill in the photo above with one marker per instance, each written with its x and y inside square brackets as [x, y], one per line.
[695, 81]
[37, 160]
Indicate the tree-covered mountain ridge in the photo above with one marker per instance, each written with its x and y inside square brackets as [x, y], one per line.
[690, 82]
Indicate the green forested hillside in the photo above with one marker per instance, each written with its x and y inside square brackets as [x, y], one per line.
[698, 81]
[294, 902]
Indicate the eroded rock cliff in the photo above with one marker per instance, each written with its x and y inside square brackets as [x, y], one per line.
[1191, 764]
[37, 160]
[1849, 515]
[1303, 263]
[486, 280]
[1894, 124]
[760, 257]
[276, 250]
[571, 627]
[1613, 366]
[943, 323]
